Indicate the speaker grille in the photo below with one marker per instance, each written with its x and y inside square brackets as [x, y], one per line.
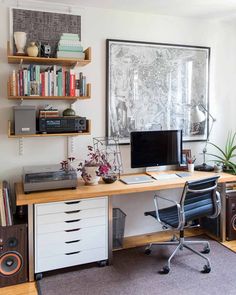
[10, 263]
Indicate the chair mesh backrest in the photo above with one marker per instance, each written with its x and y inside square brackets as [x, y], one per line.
[199, 204]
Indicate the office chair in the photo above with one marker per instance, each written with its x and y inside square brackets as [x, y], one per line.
[199, 199]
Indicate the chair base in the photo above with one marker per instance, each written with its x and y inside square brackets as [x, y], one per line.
[180, 244]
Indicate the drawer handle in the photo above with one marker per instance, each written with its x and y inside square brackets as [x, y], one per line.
[70, 230]
[71, 221]
[71, 212]
[73, 202]
[71, 242]
[72, 253]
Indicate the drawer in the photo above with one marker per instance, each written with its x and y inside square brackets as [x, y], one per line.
[71, 215]
[60, 261]
[61, 237]
[69, 206]
[50, 227]
[97, 240]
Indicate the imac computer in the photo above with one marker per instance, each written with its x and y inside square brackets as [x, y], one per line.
[156, 150]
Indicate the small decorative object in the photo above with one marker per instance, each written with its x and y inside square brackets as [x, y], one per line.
[68, 112]
[32, 50]
[109, 147]
[46, 50]
[20, 41]
[191, 161]
[218, 168]
[186, 154]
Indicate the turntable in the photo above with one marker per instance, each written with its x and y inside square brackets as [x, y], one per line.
[49, 177]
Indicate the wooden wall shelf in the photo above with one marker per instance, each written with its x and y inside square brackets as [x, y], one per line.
[88, 96]
[17, 59]
[12, 135]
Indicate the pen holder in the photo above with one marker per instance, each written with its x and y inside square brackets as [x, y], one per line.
[191, 167]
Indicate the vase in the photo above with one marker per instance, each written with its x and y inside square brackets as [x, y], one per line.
[32, 50]
[20, 41]
[109, 178]
[89, 175]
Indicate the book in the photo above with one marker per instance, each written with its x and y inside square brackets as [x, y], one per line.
[70, 54]
[70, 48]
[2, 208]
[74, 37]
[69, 43]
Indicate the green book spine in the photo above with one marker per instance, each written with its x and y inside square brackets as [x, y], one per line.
[70, 48]
[59, 83]
[70, 38]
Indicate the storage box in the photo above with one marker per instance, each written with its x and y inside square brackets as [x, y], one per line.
[25, 119]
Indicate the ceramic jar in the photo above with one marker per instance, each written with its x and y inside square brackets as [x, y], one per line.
[89, 175]
[32, 50]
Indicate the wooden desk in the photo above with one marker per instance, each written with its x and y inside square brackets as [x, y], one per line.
[102, 189]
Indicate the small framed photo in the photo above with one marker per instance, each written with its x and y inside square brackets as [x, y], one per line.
[185, 155]
[34, 88]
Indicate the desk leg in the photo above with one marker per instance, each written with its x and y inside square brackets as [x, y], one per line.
[31, 241]
[222, 189]
[110, 230]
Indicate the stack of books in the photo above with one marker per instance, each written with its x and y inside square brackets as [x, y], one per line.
[6, 216]
[36, 80]
[69, 46]
[45, 113]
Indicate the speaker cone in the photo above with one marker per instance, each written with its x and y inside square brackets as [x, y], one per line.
[10, 263]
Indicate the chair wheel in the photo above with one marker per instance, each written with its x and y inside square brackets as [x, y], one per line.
[102, 263]
[148, 251]
[206, 269]
[206, 251]
[165, 270]
[38, 276]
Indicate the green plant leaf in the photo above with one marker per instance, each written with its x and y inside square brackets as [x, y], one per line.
[218, 149]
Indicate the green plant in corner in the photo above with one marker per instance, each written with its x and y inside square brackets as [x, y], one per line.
[226, 156]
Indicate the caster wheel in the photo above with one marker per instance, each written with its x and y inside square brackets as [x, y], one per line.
[206, 251]
[102, 263]
[165, 270]
[148, 251]
[38, 276]
[206, 269]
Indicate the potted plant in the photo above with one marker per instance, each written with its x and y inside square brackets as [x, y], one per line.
[226, 156]
[96, 166]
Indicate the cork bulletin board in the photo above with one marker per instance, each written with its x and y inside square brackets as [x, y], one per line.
[44, 27]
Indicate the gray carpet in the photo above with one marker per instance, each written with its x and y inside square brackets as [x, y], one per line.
[134, 273]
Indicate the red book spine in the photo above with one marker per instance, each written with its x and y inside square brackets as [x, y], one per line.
[71, 84]
[43, 83]
[21, 82]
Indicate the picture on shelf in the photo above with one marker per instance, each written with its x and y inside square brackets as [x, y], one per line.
[186, 154]
[34, 88]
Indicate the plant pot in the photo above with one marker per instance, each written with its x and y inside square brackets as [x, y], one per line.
[89, 175]
[109, 178]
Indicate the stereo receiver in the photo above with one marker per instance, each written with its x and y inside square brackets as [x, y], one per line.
[61, 124]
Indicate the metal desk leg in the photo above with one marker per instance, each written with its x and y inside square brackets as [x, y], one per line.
[110, 230]
[222, 189]
[31, 241]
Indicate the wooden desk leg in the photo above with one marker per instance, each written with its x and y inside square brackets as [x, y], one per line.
[222, 189]
[31, 241]
[110, 230]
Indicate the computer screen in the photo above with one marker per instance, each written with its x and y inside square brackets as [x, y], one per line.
[156, 148]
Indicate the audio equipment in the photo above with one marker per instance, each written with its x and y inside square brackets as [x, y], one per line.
[231, 216]
[62, 124]
[13, 254]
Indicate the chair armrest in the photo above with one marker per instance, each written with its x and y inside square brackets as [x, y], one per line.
[180, 213]
[217, 205]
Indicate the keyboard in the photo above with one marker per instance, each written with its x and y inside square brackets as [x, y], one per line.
[165, 176]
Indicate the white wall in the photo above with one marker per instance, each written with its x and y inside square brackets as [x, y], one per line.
[97, 26]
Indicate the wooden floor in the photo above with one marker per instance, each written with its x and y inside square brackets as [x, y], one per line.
[30, 288]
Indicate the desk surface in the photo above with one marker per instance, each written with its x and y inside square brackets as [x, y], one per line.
[116, 188]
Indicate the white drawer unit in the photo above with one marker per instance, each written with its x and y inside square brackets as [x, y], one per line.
[70, 233]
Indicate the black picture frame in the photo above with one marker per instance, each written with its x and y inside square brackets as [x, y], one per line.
[127, 107]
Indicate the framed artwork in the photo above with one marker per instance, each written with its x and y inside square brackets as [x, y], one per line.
[154, 86]
[186, 154]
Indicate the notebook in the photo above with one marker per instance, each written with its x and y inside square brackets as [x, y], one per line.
[136, 179]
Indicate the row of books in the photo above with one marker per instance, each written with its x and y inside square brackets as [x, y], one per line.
[36, 80]
[69, 46]
[6, 216]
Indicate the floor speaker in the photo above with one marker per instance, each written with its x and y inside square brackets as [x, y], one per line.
[231, 216]
[13, 254]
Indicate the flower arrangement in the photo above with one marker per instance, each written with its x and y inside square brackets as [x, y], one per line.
[94, 166]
